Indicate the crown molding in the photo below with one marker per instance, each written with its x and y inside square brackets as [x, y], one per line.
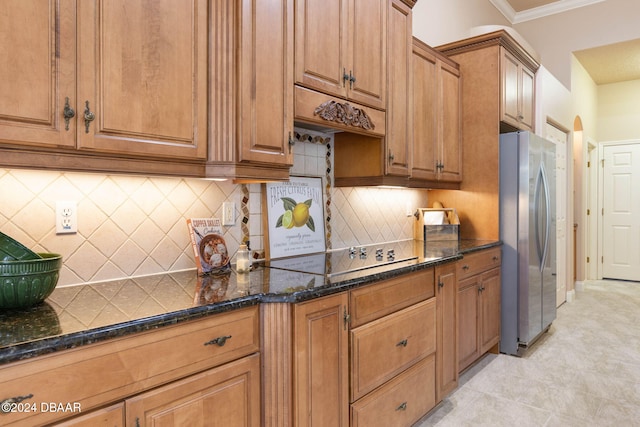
[539, 12]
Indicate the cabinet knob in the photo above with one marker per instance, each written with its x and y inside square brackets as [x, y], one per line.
[391, 157]
[402, 407]
[220, 341]
[402, 343]
[345, 76]
[7, 405]
[89, 116]
[465, 267]
[352, 80]
[440, 284]
[68, 113]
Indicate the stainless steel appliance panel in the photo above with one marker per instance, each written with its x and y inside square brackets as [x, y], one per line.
[527, 229]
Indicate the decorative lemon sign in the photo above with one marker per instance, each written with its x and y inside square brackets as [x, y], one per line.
[295, 212]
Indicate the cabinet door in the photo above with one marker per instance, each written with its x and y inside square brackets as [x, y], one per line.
[490, 310]
[447, 348]
[468, 318]
[112, 416]
[321, 45]
[37, 73]
[510, 104]
[367, 49]
[265, 123]
[425, 101]
[399, 114]
[142, 73]
[450, 124]
[321, 362]
[227, 396]
[527, 100]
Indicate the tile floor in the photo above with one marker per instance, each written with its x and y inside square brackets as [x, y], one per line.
[584, 372]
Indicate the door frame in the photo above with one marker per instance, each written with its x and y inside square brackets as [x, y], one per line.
[593, 238]
[600, 221]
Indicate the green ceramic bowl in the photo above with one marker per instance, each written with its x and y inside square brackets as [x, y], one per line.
[11, 249]
[24, 283]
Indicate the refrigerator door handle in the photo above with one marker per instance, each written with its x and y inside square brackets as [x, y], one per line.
[536, 219]
[547, 202]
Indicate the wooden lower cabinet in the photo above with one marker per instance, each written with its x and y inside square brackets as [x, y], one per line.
[98, 375]
[447, 353]
[321, 362]
[112, 416]
[400, 402]
[227, 396]
[478, 306]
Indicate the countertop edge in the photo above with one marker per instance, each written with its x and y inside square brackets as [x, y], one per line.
[30, 349]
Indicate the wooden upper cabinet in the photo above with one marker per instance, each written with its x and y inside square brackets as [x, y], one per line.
[37, 73]
[518, 88]
[399, 118]
[142, 73]
[138, 75]
[437, 137]
[425, 100]
[450, 167]
[340, 48]
[252, 89]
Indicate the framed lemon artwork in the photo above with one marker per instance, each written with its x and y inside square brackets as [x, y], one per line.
[295, 215]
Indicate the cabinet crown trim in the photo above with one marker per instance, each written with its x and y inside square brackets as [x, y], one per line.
[498, 38]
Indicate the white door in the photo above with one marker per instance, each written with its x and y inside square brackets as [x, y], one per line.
[621, 212]
[560, 137]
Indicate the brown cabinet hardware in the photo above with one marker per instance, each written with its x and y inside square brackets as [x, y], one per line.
[220, 341]
[68, 113]
[89, 116]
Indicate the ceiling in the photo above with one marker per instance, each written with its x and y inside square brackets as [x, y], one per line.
[605, 64]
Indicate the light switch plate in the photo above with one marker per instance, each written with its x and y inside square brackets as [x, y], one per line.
[228, 213]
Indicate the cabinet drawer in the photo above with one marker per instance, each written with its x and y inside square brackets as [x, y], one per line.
[478, 262]
[372, 302]
[385, 347]
[93, 375]
[400, 402]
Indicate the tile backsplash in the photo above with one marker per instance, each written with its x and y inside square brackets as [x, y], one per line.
[131, 226]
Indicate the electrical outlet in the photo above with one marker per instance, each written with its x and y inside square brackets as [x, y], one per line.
[228, 213]
[66, 217]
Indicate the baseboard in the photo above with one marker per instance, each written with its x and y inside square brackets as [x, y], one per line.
[571, 295]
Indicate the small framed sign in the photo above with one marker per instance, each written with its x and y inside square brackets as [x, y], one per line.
[295, 216]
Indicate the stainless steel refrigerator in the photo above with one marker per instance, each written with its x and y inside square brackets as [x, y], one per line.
[527, 230]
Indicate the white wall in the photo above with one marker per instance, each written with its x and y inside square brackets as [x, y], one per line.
[555, 37]
[437, 22]
[584, 94]
[618, 111]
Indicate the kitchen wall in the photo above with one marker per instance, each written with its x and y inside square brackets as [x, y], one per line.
[437, 22]
[618, 111]
[133, 226]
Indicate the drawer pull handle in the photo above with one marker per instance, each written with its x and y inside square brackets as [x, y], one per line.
[495, 258]
[465, 267]
[402, 343]
[7, 404]
[220, 341]
[402, 407]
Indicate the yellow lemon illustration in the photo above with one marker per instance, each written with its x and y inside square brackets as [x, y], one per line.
[300, 214]
[287, 219]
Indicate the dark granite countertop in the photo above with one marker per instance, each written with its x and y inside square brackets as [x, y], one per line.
[76, 315]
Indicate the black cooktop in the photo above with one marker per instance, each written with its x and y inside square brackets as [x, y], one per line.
[364, 257]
